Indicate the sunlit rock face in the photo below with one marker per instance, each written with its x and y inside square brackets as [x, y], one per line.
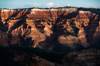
[82, 21]
[6, 13]
[86, 23]
[40, 13]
